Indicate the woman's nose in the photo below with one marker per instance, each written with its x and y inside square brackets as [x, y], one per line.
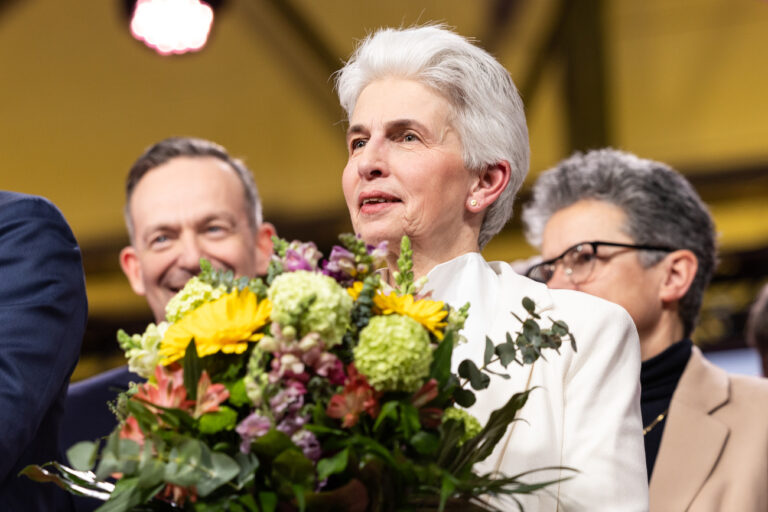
[372, 162]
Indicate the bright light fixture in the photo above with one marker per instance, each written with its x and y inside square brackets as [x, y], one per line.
[172, 26]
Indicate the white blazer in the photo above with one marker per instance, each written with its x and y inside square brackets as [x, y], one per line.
[585, 410]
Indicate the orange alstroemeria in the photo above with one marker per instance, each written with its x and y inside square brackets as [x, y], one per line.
[358, 396]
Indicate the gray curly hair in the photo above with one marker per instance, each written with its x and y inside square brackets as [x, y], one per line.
[661, 206]
[487, 109]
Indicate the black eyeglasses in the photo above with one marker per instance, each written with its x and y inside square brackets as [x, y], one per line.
[578, 261]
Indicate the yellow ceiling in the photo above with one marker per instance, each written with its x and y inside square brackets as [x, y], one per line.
[80, 99]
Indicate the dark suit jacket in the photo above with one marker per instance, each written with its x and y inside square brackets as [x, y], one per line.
[43, 312]
[87, 416]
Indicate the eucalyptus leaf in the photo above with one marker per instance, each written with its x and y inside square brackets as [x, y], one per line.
[219, 468]
[506, 353]
[464, 397]
[249, 463]
[82, 455]
[488, 355]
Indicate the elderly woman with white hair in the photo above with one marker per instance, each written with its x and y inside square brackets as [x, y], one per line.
[438, 147]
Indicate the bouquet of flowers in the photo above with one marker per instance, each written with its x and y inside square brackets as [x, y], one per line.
[317, 388]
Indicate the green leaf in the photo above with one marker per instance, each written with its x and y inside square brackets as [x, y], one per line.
[299, 491]
[531, 329]
[332, 465]
[409, 419]
[440, 369]
[529, 305]
[267, 501]
[425, 443]
[184, 463]
[447, 486]
[488, 355]
[249, 463]
[118, 456]
[82, 455]
[127, 495]
[237, 393]
[192, 370]
[388, 411]
[506, 353]
[294, 467]
[477, 379]
[464, 397]
[223, 419]
[220, 469]
[270, 445]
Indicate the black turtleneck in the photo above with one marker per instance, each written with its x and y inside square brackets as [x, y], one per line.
[659, 376]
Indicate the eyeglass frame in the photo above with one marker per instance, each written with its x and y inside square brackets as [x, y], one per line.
[594, 244]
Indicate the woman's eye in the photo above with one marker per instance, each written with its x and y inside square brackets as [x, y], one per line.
[584, 257]
[409, 137]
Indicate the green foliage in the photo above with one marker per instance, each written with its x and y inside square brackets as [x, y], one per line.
[404, 283]
[223, 419]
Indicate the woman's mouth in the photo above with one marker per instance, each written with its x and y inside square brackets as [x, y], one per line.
[375, 202]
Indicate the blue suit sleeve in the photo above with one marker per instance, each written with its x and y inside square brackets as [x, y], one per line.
[43, 311]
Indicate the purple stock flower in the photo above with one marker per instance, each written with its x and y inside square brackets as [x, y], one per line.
[292, 423]
[301, 256]
[308, 443]
[252, 427]
[340, 265]
[288, 400]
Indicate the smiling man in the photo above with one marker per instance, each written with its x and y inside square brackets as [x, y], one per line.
[186, 199]
[636, 233]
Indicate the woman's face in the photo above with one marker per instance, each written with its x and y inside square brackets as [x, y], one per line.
[405, 174]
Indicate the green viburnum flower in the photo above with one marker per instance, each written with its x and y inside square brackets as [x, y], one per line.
[311, 302]
[472, 427]
[142, 350]
[394, 353]
[194, 294]
[256, 379]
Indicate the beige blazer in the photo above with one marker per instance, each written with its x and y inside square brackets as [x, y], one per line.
[714, 451]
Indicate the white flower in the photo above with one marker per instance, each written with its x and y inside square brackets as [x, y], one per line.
[143, 355]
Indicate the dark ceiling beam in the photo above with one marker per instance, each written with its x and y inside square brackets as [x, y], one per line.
[586, 75]
[299, 48]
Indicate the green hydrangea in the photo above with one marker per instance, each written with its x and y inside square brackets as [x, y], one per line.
[194, 293]
[311, 302]
[394, 353]
[472, 427]
[142, 350]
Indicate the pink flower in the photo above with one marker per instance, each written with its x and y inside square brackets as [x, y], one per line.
[132, 431]
[169, 391]
[358, 396]
[209, 396]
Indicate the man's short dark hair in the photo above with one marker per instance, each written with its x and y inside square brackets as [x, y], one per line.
[173, 147]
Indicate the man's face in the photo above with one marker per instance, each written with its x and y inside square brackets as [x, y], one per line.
[186, 209]
[617, 275]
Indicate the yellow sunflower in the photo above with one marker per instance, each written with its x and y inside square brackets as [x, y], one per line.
[428, 313]
[226, 324]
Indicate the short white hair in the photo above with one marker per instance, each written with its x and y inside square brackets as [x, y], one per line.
[487, 112]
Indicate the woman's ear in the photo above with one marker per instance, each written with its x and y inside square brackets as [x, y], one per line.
[488, 186]
[680, 269]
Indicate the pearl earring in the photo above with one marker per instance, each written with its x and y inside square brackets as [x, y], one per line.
[473, 202]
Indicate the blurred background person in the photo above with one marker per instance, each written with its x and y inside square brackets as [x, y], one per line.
[757, 327]
[438, 147]
[185, 199]
[43, 311]
[635, 232]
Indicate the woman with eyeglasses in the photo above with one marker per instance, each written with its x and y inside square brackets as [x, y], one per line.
[438, 147]
[635, 232]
